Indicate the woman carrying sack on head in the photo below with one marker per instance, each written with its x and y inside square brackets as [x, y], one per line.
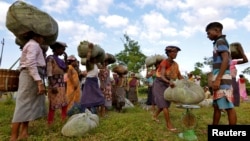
[30, 100]
[56, 69]
[167, 71]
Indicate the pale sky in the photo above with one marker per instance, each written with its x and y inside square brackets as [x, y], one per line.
[153, 23]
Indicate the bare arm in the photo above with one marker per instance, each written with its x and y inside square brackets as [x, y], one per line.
[244, 57]
[89, 51]
[180, 76]
[89, 65]
[163, 69]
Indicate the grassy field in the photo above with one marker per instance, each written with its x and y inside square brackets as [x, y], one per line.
[133, 124]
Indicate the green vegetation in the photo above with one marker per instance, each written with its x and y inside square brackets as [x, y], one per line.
[132, 124]
[131, 56]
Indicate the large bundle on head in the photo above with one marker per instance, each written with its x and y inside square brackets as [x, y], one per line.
[159, 58]
[110, 58]
[153, 60]
[23, 18]
[150, 61]
[83, 61]
[236, 50]
[120, 69]
[97, 52]
[185, 92]
[83, 49]
[100, 57]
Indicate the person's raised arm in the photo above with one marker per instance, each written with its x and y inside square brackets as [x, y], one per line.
[244, 58]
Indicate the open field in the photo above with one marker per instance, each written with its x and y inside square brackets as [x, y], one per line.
[133, 124]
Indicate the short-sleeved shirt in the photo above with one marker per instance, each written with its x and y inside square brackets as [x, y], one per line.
[172, 71]
[220, 46]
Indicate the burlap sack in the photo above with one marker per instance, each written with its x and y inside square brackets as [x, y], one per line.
[120, 69]
[153, 60]
[22, 18]
[185, 92]
[48, 40]
[236, 49]
[110, 58]
[159, 58]
[83, 61]
[100, 56]
[99, 53]
[83, 48]
[79, 124]
[150, 61]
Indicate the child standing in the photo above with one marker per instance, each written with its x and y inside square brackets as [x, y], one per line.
[222, 80]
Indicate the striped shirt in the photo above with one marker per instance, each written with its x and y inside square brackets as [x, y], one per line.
[220, 46]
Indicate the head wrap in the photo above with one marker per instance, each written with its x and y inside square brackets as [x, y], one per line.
[170, 48]
[71, 58]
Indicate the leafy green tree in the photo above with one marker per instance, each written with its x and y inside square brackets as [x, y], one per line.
[246, 71]
[208, 61]
[198, 68]
[198, 71]
[131, 56]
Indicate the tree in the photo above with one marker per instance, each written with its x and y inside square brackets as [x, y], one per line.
[198, 71]
[246, 71]
[197, 68]
[131, 56]
[208, 61]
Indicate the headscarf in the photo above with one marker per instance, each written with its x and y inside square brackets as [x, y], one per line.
[171, 48]
[59, 61]
[71, 58]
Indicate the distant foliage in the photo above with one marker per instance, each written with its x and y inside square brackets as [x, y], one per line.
[131, 56]
[143, 90]
[246, 71]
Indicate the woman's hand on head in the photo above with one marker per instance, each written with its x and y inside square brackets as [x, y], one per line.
[65, 55]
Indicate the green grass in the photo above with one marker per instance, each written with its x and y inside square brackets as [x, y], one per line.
[134, 124]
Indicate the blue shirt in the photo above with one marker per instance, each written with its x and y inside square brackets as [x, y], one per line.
[220, 46]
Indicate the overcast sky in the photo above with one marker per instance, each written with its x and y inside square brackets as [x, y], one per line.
[153, 23]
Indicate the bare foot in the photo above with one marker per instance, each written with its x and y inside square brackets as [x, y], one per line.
[23, 137]
[13, 139]
[155, 119]
[172, 130]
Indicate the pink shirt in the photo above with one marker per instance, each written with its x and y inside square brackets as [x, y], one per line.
[31, 58]
[233, 70]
